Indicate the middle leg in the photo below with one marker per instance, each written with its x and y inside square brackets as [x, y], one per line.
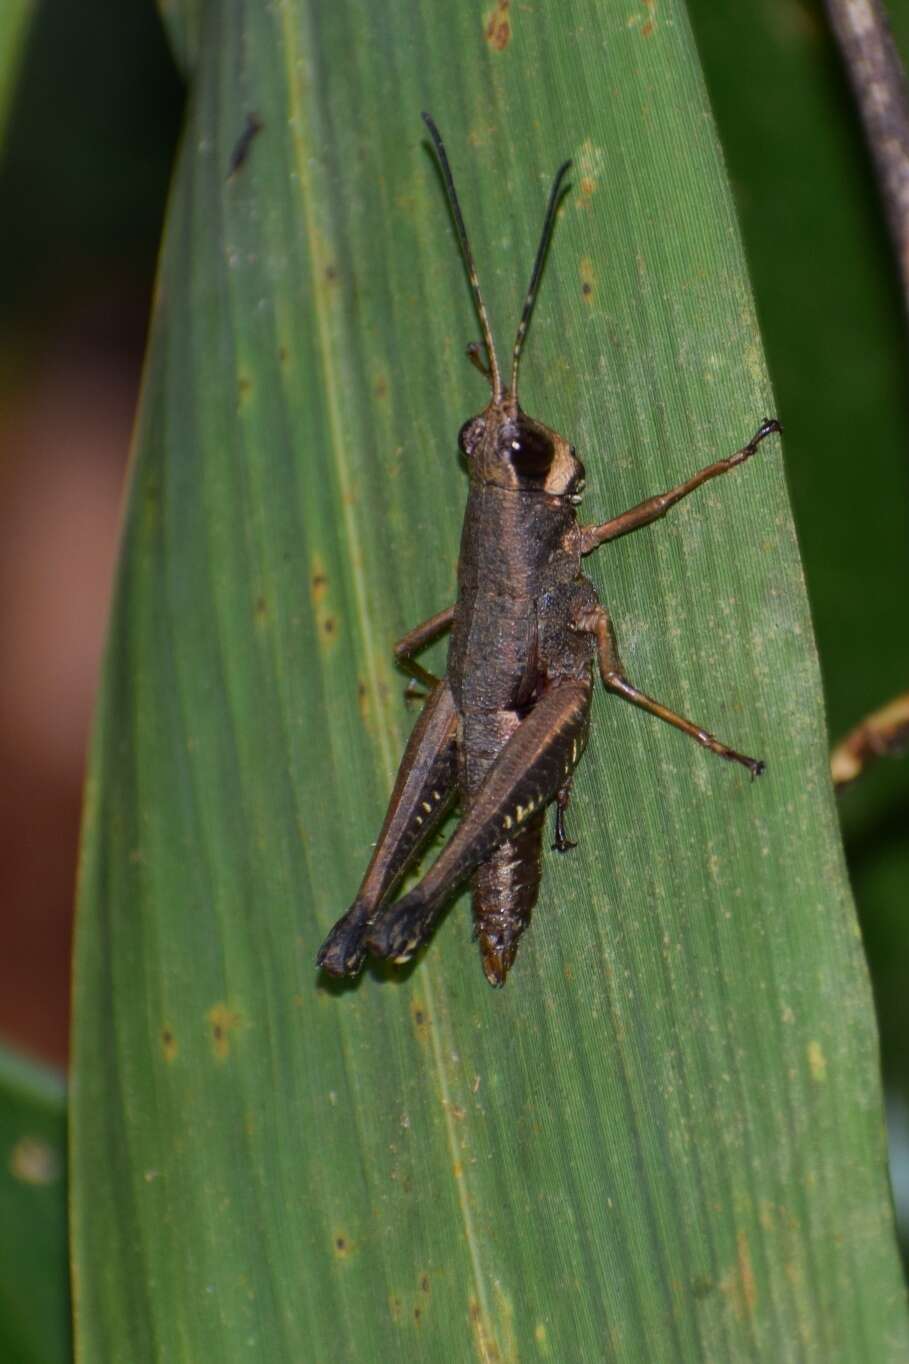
[596, 622]
[563, 843]
[417, 639]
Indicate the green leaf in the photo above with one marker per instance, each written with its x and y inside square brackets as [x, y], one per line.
[663, 1139]
[15, 16]
[34, 1289]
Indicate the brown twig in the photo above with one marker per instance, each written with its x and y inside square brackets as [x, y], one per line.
[883, 734]
[882, 94]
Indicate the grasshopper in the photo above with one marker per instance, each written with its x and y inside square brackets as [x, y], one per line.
[504, 729]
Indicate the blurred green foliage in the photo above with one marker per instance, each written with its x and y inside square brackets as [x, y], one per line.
[829, 299]
[34, 1283]
[14, 19]
[84, 170]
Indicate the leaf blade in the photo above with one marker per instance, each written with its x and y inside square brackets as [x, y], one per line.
[335, 1150]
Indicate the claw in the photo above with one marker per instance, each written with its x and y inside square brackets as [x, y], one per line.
[343, 953]
[400, 930]
[768, 427]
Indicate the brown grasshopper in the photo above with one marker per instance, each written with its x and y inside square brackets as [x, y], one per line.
[504, 729]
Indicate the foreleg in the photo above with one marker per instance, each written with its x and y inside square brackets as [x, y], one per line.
[417, 639]
[597, 623]
[655, 507]
[423, 791]
[526, 775]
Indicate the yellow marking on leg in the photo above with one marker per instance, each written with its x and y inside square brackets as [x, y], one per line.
[426, 806]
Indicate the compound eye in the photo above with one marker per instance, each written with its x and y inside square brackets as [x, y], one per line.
[531, 451]
[469, 436]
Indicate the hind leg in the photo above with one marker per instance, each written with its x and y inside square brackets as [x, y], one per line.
[423, 791]
[596, 622]
[520, 782]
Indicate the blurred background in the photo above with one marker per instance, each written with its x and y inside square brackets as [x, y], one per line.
[88, 140]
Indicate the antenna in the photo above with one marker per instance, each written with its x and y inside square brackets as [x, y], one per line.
[555, 195]
[495, 377]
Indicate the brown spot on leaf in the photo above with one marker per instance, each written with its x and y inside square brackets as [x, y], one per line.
[363, 704]
[487, 1348]
[244, 386]
[342, 1246]
[318, 582]
[238, 157]
[746, 1273]
[588, 277]
[331, 273]
[381, 388]
[222, 1021]
[261, 609]
[394, 1308]
[498, 27]
[647, 28]
[424, 1283]
[169, 1046]
[817, 1062]
[326, 620]
[738, 1284]
[421, 1021]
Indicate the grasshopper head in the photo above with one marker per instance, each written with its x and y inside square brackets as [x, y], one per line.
[506, 448]
[503, 446]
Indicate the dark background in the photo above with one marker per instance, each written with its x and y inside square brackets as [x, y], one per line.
[83, 181]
